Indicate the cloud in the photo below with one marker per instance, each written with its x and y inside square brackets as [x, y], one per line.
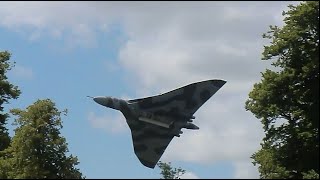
[115, 124]
[56, 19]
[169, 45]
[245, 170]
[189, 175]
[78, 23]
[22, 72]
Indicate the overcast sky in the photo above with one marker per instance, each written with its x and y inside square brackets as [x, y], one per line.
[67, 50]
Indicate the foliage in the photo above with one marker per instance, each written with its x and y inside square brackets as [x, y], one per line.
[37, 149]
[7, 91]
[290, 149]
[312, 174]
[168, 172]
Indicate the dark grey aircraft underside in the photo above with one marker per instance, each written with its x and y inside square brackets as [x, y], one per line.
[155, 120]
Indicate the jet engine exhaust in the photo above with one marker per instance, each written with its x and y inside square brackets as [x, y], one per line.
[191, 126]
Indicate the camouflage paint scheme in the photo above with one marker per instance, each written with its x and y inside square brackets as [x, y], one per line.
[154, 121]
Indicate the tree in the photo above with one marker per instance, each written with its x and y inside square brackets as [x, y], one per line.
[291, 149]
[168, 172]
[7, 91]
[37, 149]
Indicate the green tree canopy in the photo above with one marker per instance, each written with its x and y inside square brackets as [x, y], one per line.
[7, 91]
[291, 149]
[38, 150]
[168, 172]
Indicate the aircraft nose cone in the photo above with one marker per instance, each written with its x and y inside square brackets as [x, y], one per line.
[99, 100]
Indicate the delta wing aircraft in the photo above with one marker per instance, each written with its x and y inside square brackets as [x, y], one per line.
[154, 121]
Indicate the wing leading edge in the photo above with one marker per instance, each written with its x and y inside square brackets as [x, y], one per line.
[182, 101]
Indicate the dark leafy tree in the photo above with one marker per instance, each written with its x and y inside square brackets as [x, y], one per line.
[37, 149]
[7, 91]
[168, 172]
[290, 149]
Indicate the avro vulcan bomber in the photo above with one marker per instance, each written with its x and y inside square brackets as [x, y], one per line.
[154, 121]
